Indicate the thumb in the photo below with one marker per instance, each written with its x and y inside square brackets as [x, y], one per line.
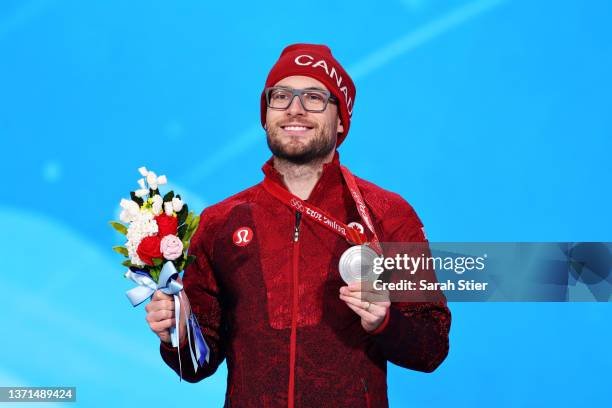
[159, 295]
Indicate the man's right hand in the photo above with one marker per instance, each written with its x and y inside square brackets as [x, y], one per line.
[160, 315]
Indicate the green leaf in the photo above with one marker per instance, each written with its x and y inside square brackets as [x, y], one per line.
[187, 238]
[154, 272]
[157, 261]
[190, 232]
[182, 215]
[192, 229]
[195, 222]
[189, 218]
[127, 263]
[119, 227]
[121, 249]
[181, 231]
[169, 196]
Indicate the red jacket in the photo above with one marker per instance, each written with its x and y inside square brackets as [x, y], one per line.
[304, 347]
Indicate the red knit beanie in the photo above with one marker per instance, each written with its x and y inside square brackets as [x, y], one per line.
[315, 61]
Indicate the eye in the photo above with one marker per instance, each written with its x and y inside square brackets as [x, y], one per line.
[315, 97]
[279, 95]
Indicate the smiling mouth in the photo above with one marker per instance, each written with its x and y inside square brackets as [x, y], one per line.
[296, 129]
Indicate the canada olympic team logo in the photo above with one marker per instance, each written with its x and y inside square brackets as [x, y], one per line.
[357, 226]
[242, 236]
[297, 204]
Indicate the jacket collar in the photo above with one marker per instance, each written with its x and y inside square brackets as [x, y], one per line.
[331, 173]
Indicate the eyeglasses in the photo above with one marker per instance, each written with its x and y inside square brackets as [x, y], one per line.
[312, 99]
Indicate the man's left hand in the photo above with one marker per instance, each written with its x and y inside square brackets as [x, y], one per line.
[370, 304]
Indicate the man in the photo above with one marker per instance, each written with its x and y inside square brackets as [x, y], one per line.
[266, 287]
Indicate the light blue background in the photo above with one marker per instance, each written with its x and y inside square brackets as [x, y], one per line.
[492, 118]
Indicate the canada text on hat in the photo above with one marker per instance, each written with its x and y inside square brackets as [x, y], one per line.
[306, 60]
[315, 61]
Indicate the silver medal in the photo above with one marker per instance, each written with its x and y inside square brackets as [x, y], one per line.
[356, 264]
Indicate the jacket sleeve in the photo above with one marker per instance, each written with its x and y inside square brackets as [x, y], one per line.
[414, 334]
[202, 290]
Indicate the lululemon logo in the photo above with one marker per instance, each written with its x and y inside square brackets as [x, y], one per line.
[243, 236]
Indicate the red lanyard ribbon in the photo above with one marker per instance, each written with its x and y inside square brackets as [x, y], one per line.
[316, 214]
[364, 213]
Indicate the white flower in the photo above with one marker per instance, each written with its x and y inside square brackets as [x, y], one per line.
[152, 180]
[125, 217]
[141, 192]
[130, 210]
[157, 204]
[168, 208]
[143, 225]
[129, 205]
[177, 204]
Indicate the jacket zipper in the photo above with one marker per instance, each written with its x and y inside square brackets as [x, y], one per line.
[292, 345]
[367, 394]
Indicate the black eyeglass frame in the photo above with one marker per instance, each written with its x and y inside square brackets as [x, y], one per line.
[299, 93]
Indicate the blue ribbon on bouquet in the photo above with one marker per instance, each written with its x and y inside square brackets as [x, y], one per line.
[170, 286]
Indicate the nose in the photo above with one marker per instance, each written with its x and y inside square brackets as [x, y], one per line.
[295, 107]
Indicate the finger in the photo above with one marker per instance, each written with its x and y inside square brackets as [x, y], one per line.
[374, 295]
[163, 325]
[361, 296]
[160, 305]
[367, 286]
[159, 295]
[366, 296]
[354, 301]
[160, 315]
[363, 286]
[353, 287]
[350, 291]
[165, 314]
[374, 309]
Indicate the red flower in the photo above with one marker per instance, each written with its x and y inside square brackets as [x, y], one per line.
[166, 224]
[148, 249]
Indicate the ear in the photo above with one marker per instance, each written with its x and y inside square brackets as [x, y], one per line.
[339, 127]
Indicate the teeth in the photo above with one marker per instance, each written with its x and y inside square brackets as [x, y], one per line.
[296, 128]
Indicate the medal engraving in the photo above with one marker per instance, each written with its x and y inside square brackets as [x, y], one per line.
[356, 264]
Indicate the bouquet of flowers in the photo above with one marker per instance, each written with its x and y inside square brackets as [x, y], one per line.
[159, 229]
[158, 232]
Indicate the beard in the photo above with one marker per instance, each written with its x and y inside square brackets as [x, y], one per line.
[317, 148]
